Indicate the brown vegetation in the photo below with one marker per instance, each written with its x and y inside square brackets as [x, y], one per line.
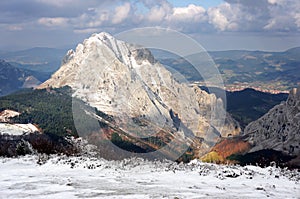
[225, 148]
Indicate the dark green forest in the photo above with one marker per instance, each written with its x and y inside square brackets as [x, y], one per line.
[248, 105]
[51, 109]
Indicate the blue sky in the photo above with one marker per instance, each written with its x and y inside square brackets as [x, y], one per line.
[272, 25]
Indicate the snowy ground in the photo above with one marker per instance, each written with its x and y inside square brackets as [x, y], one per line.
[17, 129]
[62, 177]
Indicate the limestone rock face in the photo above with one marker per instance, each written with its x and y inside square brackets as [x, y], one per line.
[279, 129]
[125, 81]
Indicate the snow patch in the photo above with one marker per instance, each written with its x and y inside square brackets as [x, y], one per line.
[17, 129]
[7, 114]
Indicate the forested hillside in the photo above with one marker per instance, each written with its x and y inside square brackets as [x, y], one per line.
[51, 110]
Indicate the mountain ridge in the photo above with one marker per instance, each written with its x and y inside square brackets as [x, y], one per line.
[125, 81]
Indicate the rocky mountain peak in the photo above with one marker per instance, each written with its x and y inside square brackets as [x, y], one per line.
[125, 81]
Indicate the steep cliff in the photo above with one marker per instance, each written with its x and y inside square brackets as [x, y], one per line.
[279, 129]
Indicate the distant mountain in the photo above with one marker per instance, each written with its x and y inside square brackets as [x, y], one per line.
[35, 59]
[272, 70]
[292, 53]
[13, 78]
[281, 68]
[248, 105]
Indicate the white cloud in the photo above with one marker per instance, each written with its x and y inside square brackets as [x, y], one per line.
[279, 2]
[233, 15]
[239, 17]
[103, 16]
[282, 23]
[93, 18]
[189, 13]
[52, 22]
[270, 25]
[297, 20]
[217, 19]
[256, 15]
[224, 17]
[159, 13]
[90, 21]
[91, 15]
[121, 13]
[283, 15]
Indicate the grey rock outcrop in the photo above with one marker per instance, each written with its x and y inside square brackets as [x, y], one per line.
[279, 129]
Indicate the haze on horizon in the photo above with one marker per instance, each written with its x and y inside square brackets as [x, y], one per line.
[272, 25]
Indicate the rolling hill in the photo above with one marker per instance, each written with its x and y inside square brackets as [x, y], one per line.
[268, 70]
[14, 78]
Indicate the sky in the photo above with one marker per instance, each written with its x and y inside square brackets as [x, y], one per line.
[272, 25]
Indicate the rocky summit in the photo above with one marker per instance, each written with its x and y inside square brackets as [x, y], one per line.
[279, 129]
[125, 81]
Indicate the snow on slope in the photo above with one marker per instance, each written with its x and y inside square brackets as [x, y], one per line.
[14, 129]
[17, 129]
[7, 114]
[81, 177]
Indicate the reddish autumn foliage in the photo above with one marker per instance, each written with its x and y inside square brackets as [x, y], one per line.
[229, 146]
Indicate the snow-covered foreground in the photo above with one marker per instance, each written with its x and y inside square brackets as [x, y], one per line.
[80, 177]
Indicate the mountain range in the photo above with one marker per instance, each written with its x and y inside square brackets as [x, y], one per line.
[266, 70]
[121, 93]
